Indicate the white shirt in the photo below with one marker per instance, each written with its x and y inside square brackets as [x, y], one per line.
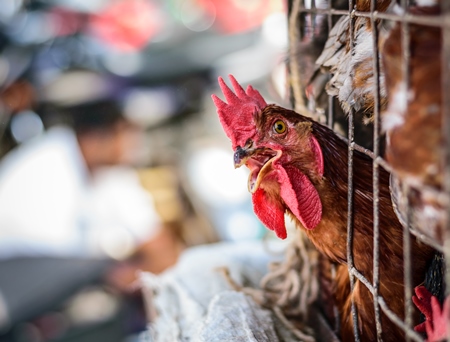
[50, 205]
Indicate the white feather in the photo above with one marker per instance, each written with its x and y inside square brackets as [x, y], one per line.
[394, 115]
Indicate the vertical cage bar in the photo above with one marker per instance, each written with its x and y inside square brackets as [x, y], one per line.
[351, 128]
[445, 62]
[406, 236]
[330, 16]
[330, 118]
[294, 72]
[375, 179]
[313, 16]
[407, 260]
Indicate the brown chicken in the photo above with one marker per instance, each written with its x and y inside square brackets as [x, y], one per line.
[299, 167]
[412, 122]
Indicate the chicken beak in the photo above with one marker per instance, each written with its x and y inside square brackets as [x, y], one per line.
[241, 155]
[258, 160]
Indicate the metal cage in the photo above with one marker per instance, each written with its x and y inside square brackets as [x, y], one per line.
[304, 12]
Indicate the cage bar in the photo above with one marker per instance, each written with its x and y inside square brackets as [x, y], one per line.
[375, 173]
[445, 62]
[385, 308]
[330, 117]
[351, 127]
[405, 34]
[294, 37]
[429, 20]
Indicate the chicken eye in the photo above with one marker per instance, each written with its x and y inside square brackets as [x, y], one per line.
[279, 127]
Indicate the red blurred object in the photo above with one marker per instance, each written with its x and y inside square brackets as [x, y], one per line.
[128, 25]
[65, 21]
[234, 16]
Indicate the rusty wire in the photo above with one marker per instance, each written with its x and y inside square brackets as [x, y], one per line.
[294, 37]
[445, 9]
[330, 117]
[442, 21]
[429, 20]
[375, 178]
[351, 128]
[445, 55]
[406, 55]
[385, 308]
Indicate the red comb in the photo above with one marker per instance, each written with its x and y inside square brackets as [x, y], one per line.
[237, 116]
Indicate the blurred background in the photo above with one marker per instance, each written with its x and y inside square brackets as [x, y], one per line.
[112, 158]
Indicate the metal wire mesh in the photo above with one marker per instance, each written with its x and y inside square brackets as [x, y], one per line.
[305, 7]
[445, 9]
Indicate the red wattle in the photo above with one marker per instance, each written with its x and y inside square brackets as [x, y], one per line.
[300, 195]
[271, 214]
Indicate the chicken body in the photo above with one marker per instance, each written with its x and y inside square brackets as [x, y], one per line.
[351, 67]
[300, 167]
[346, 71]
[412, 122]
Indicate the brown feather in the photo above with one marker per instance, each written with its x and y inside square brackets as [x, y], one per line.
[412, 122]
[414, 148]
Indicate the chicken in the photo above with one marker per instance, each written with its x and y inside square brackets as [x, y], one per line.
[412, 122]
[299, 167]
[351, 68]
[436, 316]
[345, 71]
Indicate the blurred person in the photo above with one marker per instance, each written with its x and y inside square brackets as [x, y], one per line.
[71, 194]
[49, 186]
[71, 191]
